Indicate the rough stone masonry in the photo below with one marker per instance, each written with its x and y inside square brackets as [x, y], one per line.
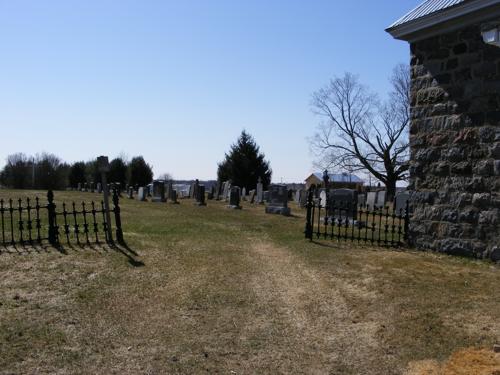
[455, 144]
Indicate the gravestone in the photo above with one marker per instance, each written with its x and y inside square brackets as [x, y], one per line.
[400, 202]
[211, 193]
[343, 203]
[234, 197]
[158, 191]
[200, 195]
[297, 196]
[228, 195]
[277, 202]
[322, 197]
[303, 198]
[252, 196]
[380, 202]
[218, 188]
[225, 190]
[168, 189]
[265, 196]
[371, 199]
[361, 199]
[172, 198]
[194, 189]
[141, 194]
[260, 191]
[244, 194]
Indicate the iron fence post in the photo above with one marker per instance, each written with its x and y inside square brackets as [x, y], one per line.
[118, 221]
[309, 229]
[51, 208]
[407, 220]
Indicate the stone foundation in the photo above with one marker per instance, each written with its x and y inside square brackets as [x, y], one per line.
[455, 144]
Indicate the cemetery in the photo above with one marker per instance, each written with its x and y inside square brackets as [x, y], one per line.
[180, 282]
[384, 259]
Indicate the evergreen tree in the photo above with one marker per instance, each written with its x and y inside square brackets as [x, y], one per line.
[118, 171]
[92, 173]
[140, 173]
[244, 164]
[77, 174]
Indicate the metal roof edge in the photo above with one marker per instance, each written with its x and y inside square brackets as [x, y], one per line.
[408, 31]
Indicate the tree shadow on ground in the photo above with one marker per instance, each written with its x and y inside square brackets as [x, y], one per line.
[67, 248]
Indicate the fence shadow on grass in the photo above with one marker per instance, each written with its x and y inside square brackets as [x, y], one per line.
[68, 248]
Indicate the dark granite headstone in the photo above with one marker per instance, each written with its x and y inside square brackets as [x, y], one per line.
[343, 203]
[265, 196]
[234, 197]
[168, 189]
[172, 198]
[277, 202]
[211, 193]
[400, 202]
[303, 198]
[200, 195]
[158, 191]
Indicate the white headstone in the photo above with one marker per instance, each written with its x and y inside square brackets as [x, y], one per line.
[371, 199]
[380, 203]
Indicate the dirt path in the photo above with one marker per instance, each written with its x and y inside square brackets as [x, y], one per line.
[318, 322]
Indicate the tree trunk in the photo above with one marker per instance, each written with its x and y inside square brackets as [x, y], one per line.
[390, 186]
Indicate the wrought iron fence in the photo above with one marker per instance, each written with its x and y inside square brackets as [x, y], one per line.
[351, 222]
[29, 221]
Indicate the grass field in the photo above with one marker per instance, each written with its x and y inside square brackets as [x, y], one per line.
[215, 290]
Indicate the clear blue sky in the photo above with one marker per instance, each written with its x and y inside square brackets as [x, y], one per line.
[177, 81]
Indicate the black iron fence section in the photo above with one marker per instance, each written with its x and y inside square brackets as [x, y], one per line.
[351, 222]
[29, 221]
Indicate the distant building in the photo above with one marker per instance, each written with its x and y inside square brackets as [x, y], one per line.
[342, 180]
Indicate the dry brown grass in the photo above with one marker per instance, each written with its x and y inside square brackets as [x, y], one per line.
[464, 362]
[237, 292]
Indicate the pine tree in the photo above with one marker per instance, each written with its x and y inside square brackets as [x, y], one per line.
[140, 173]
[118, 171]
[244, 164]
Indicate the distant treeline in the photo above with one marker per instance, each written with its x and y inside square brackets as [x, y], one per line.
[47, 171]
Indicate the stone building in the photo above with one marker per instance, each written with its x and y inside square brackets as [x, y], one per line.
[454, 130]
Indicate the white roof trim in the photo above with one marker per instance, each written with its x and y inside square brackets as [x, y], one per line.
[407, 31]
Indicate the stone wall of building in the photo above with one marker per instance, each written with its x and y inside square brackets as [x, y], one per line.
[455, 144]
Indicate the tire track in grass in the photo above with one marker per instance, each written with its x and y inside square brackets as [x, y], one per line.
[315, 328]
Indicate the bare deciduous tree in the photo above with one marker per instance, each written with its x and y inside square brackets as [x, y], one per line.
[166, 177]
[360, 134]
